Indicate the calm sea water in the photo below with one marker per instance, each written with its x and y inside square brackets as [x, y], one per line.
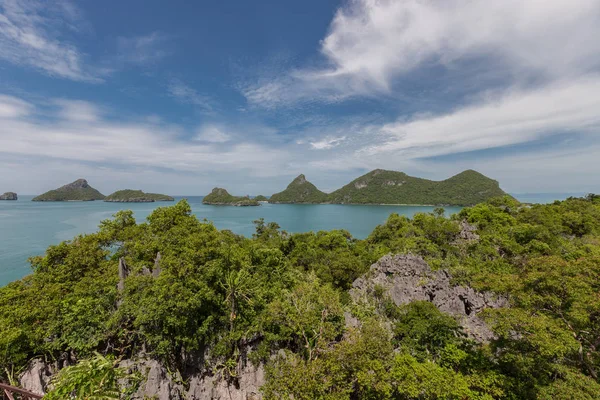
[27, 228]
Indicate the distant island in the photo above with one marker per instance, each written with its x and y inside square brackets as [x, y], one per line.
[220, 197]
[79, 190]
[260, 197]
[300, 191]
[9, 196]
[136, 196]
[392, 187]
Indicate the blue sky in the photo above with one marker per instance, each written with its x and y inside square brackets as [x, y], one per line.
[180, 97]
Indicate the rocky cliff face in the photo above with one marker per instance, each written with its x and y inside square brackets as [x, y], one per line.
[407, 278]
[158, 383]
[9, 196]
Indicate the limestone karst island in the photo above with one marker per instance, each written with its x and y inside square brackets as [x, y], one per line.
[300, 200]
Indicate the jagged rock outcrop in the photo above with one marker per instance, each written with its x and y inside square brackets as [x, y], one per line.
[160, 384]
[407, 278]
[467, 233]
[37, 376]
[9, 196]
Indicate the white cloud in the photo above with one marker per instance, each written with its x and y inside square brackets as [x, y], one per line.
[212, 134]
[515, 117]
[327, 143]
[372, 42]
[77, 110]
[143, 49]
[187, 94]
[29, 36]
[11, 107]
[80, 132]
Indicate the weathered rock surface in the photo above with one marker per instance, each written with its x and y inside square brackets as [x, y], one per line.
[467, 232]
[37, 376]
[8, 196]
[407, 278]
[159, 384]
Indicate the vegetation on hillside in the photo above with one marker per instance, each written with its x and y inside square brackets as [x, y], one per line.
[391, 187]
[134, 196]
[75, 191]
[299, 191]
[221, 197]
[260, 197]
[288, 294]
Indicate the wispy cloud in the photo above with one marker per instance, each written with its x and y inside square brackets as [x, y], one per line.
[327, 143]
[29, 36]
[187, 94]
[373, 42]
[212, 134]
[142, 50]
[506, 119]
[80, 132]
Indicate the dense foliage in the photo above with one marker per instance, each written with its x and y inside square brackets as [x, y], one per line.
[260, 197]
[299, 191]
[391, 187]
[288, 295]
[220, 196]
[129, 195]
[75, 191]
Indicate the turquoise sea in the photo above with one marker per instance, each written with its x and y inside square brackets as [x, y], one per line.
[27, 228]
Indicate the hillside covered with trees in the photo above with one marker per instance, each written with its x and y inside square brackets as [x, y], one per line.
[199, 300]
[391, 187]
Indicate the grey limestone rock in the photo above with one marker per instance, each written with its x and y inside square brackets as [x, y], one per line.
[9, 196]
[408, 278]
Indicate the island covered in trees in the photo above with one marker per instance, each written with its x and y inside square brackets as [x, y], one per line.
[499, 301]
[79, 190]
[392, 187]
[220, 197]
[136, 196]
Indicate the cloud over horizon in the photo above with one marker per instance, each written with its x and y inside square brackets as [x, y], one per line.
[425, 86]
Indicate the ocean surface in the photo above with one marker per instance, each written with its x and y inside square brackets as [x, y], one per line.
[27, 228]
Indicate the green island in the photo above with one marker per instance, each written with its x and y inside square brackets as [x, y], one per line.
[260, 197]
[499, 301]
[220, 197]
[391, 187]
[136, 196]
[299, 191]
[79, 190]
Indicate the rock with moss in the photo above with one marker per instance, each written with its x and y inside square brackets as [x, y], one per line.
[220, 197]
[300, 190]
[9, 196]
[136, 196]
[79, 190]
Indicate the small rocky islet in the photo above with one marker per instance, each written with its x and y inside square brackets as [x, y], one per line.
[9, 196]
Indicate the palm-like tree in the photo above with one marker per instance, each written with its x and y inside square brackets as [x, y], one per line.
[239, 288]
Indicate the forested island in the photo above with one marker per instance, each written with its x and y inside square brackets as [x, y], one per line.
[136, 196]
[499, 301]
[392, 187]
[221, 197]
[79, 190]
[260, 197]
[9, 196]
